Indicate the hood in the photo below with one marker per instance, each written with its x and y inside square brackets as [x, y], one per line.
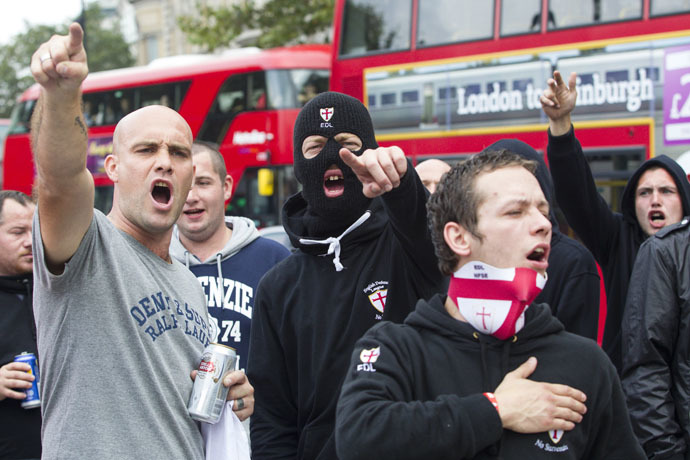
[542, 173]
[319, 236]
[243, 232]
[673, 168]
[20, 284]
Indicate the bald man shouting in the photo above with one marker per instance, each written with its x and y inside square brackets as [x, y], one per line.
[120, 324]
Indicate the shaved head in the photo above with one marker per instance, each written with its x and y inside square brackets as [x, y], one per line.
[430, 172]
[140, 117]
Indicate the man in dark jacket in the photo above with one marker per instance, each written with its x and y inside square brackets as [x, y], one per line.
[656, 340]
[435, 387]
[657, 195]
[572, 290]
[364, 254]
[20, 429]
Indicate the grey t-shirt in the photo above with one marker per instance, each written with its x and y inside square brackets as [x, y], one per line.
[119, 332]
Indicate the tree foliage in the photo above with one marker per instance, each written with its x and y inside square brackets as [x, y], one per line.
[106, 49]
[280, 22]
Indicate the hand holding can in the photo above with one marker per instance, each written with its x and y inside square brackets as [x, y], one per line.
[32, 399]
[208, 393]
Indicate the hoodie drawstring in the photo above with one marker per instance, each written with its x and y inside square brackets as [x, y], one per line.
[334, 243]
[220, 281]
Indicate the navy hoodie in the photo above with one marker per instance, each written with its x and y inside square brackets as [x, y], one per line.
[414, 391]
[308, 315]
[613, 238]
[572, 289]
[230, 278]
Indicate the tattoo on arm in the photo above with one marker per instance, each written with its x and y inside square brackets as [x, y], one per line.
[78, 121]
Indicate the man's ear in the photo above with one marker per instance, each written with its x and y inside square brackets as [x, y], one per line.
[110, 164]
[227, 188]
[458, 239]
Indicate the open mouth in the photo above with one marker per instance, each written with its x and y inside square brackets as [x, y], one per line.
[657, 218]
[333, 183]
[161, 192]
[538, 255]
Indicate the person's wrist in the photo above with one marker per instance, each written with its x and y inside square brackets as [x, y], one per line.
[492, 399]
[560, 127]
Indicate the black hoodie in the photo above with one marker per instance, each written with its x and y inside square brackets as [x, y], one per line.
[308, 315]
[415, 391]
[613, 238]
[20, 429]
[572, 289]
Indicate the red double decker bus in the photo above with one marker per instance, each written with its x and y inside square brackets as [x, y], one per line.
[445, 78]
[246, 101]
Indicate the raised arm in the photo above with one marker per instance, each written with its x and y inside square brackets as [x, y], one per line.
[585, 209]
[65, 186]
[386, 172]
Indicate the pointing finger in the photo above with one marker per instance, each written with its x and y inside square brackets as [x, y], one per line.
[76, 39]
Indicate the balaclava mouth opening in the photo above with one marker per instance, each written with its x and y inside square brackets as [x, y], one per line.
[329, 114]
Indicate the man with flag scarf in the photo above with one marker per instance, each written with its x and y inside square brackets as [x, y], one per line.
[438, 385]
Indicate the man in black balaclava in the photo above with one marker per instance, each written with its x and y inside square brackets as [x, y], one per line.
[363, 254]
[324, 124]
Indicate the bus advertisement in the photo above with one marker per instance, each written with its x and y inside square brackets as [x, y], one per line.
[446, 78]
[245, 101]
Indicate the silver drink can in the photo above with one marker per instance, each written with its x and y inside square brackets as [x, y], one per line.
[208, 393]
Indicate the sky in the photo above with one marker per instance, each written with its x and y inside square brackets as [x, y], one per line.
[13, 13]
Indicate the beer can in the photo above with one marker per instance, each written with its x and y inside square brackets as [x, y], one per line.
[32, 397]
[208, 393]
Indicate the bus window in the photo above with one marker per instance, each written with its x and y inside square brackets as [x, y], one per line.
[447, 92]
[387, 24]
[291, 89]
[21, 117]
[501, 86]
[520, 17]
[461, 21]
[618, 10]
[256, 91]
[372, 100]
[586, 79]
[652, 73]
[474, 88]
[661, 7]
[616, 75]
[388, 99]
[410, 96]
[569, 14]
[308, 83]
[230, 100]
[108, 107]
[521, 84]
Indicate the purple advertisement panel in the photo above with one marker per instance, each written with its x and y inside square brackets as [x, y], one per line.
[677, 95]
[98, 148]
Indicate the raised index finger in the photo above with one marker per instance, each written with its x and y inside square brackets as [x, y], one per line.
[76, 39]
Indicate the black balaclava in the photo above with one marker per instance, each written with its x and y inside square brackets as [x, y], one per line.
[329, 114]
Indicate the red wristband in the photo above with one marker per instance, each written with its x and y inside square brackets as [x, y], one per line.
[492, 400]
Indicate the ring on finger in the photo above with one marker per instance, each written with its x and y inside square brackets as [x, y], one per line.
[240, 404]
[44, 57]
